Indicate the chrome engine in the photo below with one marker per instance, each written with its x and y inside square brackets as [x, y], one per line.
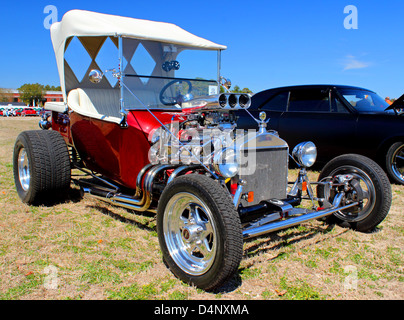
[209, 138]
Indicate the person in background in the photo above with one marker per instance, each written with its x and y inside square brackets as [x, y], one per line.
[387, 99]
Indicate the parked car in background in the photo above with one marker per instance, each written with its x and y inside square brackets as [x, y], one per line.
[28, 112]
[8, 112]
[17, 111]
[338, 119]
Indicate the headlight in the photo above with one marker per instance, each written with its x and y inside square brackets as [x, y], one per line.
[225, 164]
[305, 153]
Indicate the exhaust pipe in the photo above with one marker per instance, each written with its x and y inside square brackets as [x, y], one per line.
[132, 204]
[126, 201]
[275, 226]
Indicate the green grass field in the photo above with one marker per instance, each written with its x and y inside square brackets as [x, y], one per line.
[87, 249]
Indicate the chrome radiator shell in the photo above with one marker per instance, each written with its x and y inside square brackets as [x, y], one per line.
[265, 167]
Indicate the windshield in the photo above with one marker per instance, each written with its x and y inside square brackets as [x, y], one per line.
[162, 76]
[365, 101]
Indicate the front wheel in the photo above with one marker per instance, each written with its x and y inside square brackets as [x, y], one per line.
[366, 183]
[395, 162]
[199, 231]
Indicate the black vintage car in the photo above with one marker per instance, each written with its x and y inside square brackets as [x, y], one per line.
[338, 119]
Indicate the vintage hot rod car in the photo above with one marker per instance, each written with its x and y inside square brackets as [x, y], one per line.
[166, 142]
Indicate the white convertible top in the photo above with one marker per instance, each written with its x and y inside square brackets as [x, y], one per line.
[87, 24]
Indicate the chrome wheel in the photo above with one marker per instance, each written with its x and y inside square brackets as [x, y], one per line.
[362, 189]
[360, 179]
[23, 169]
[190, 233]
[397, 163]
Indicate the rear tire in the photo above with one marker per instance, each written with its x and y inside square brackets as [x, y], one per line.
[41, 164]
[370, 181]
[199, 231]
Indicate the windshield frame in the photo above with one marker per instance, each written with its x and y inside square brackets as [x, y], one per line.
[162, 107]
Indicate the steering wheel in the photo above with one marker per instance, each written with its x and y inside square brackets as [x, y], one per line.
[170, 101]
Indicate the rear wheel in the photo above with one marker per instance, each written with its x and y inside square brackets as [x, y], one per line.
[199, 231]
[367, 183]
[41, 166]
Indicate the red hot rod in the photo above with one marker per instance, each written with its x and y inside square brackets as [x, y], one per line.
[155, 133]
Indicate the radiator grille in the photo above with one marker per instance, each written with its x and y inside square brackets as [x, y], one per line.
[269, 180]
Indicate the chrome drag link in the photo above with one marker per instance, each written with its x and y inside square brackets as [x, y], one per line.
[251, 232]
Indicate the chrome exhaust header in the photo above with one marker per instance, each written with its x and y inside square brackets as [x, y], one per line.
[142, 200]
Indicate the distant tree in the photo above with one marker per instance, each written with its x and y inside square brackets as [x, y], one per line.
[5, 95]
[31, 91]
[237, 89]
[246, 90]
[51, 88]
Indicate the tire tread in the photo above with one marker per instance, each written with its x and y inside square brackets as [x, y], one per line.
[49, 163]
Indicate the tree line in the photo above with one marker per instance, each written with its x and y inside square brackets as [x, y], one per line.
[28, 92]
[237, 89]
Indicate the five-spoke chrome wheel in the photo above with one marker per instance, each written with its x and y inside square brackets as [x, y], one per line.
[190, 233]
[199, 231]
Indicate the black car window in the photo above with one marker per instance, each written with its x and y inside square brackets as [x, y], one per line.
[277, 103]
[309, 100]
[364, 101]
[337, 106]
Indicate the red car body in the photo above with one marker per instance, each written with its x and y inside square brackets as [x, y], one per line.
[105, 147]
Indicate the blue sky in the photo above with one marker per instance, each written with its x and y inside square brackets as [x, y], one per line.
[270, 43]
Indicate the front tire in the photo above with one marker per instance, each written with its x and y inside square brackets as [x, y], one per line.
[41, 165]
[199, 231]
[395, 162]
[369, 183]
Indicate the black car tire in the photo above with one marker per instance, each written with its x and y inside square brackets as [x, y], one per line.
[395, 162]
[221, 243]
[41, 165]
[378, 192]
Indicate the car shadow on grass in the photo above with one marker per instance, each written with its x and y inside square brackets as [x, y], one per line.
[73, 195]
[276, 243]
[146, 225]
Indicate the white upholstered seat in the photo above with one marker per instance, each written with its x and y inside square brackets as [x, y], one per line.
[96, 103]
[104, 104]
